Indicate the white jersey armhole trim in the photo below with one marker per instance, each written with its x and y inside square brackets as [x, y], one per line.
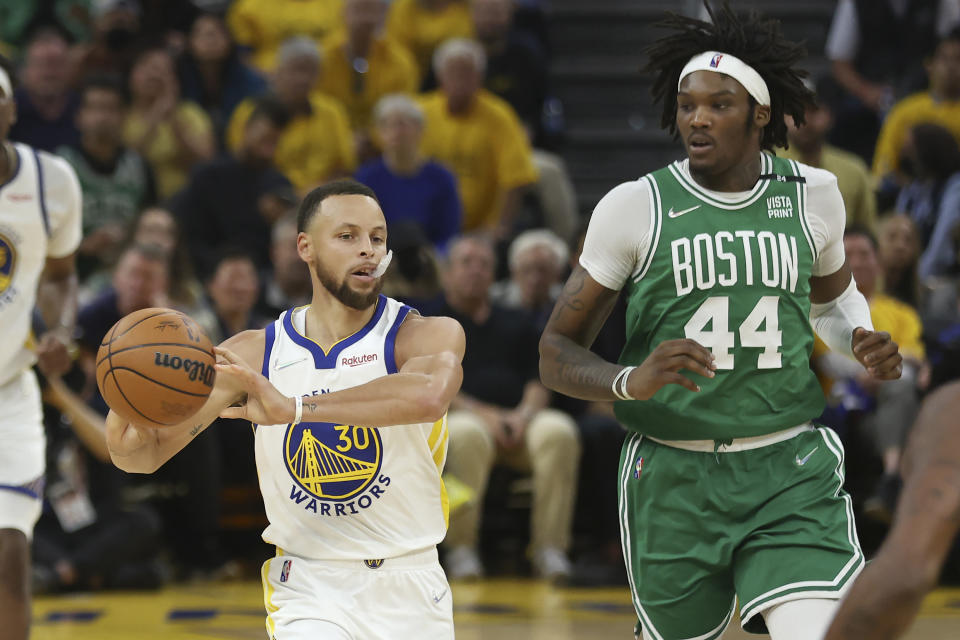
[802, 209]
[653, 234]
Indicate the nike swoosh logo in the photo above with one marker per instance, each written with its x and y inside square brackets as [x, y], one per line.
[291, 363]
[438, 598]
[802, 461]
[677, 214]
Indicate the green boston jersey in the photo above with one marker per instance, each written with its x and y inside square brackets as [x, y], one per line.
[735, 277]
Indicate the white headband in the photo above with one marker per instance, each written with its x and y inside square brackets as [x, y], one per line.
[6, 85]
[733, 67]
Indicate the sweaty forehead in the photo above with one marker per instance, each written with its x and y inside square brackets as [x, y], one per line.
[709, 82]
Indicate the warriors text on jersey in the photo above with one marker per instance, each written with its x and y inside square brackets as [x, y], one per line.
[730, 271]
[40, 211]
[347, 492]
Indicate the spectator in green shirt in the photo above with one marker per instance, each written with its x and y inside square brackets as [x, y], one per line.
[116, 181]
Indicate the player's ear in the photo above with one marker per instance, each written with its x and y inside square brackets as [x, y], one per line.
[761, 116]
[304, 247]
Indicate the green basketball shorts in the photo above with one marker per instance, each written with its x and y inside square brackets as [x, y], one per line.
[702, 528]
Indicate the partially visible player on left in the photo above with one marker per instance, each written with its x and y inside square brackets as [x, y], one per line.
[40, 205]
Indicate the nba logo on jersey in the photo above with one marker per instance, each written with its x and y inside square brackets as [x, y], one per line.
[715, 61]
[285, 571]
[638, 469]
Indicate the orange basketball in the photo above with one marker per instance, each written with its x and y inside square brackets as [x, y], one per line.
[155, 367]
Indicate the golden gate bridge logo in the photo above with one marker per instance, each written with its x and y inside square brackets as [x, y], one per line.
[332, 462]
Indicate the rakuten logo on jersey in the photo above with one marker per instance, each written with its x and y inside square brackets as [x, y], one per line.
[355, 361]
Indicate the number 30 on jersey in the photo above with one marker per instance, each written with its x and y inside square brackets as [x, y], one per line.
[715, 313]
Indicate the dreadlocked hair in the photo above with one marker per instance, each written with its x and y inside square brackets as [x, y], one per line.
[754, 39]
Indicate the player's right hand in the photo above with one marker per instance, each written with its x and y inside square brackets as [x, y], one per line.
[264, 404]
[662, 367]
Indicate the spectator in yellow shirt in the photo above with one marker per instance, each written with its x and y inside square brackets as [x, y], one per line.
[316, 145]
[422, 25]
[479, 137]
[939, 105]
[890, 406]
[808, 144]
[263, 25]
[360, 65]
[172, 134]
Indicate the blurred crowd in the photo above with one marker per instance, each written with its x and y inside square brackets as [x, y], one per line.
[195, 127]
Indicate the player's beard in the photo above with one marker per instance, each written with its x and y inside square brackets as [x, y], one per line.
[342, 291]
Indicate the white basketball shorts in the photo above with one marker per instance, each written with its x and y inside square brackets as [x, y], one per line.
[22, 444]
[403, 597]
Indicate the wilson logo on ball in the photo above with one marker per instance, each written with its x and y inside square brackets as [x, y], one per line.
[195, 370]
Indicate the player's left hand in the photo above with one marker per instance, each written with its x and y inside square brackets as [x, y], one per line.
[53, 356]
[264, 404]
[878, 354]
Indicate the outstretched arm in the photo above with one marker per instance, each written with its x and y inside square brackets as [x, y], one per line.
[138, 449]
[428, 352]
[567, 365]
[886, 597]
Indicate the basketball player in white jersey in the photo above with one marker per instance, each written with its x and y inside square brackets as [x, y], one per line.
[40, 230]
[348, 397]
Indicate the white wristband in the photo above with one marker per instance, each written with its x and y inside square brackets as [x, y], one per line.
[298, 414]
[619, 386]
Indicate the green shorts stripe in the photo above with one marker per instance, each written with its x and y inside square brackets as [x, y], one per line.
[629, 452]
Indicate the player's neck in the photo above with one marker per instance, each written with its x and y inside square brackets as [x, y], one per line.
[740, 177]
[328, 320]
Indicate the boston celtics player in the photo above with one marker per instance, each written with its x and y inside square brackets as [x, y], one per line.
[726, 259]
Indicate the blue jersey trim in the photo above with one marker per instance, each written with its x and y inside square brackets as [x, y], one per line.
[390, 343]
[31, 489]
[269, 336]
[43, 200]
[268, 339]
[328, 360]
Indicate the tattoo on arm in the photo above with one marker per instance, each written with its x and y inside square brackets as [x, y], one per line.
[310, 405]
[580, 370]
[571, 290]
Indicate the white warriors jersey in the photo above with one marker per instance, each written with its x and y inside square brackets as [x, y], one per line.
[347, 492]
[40, 217]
